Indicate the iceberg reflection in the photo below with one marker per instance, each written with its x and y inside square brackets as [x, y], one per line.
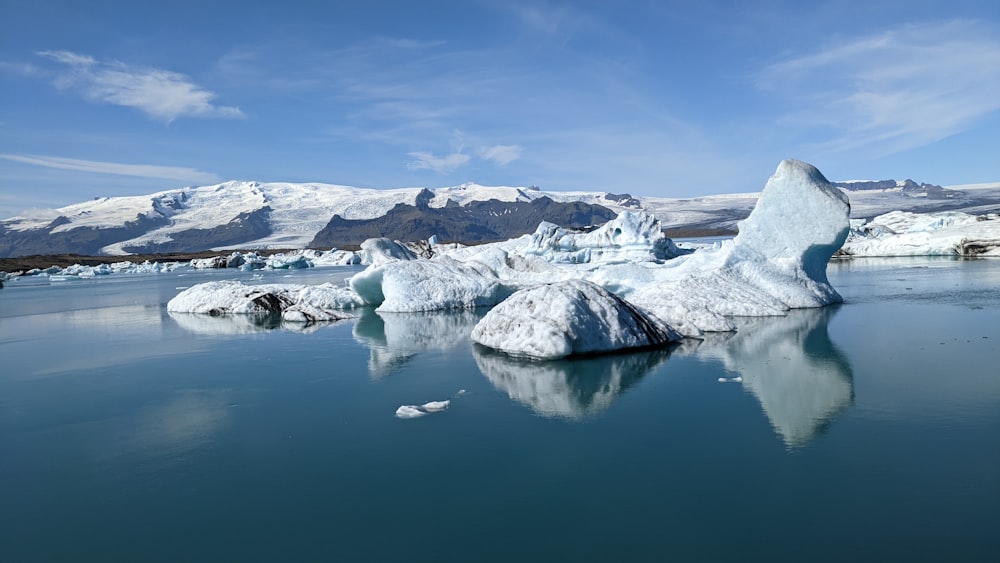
[570, 388]
[800, 377]
[395, 338]
[218, 325]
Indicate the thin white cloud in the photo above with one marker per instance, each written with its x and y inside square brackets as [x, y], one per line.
[161, 94]
[895, 90]
[443, 165]
[501, 154]
[177, 173]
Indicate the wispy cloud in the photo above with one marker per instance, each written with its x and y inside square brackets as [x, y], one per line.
[501, 154]
[161, 94]
[443, 165]
[177, 173]
[895, 90]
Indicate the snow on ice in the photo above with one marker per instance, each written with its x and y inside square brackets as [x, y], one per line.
[569, 318]
[294, 303]
[946, 233]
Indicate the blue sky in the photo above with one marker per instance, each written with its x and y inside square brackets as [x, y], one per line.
[650, 97]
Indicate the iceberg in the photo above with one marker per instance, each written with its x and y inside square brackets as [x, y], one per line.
[292, 261]
[294, 303]
[336, 257]
[620, 286]
[378, 251]
[777, 261]
[630, 237]
[406, 286]
[574, 317]
[415, 411]
[947, 233]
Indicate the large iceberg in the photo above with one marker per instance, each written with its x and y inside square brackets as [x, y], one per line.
[946, 233]
[777, 262]
[624, 270]
[569, 318]
[293, 303]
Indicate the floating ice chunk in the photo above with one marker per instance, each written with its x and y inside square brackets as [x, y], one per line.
[948, 233]
[568, 318]
[731, 379]
[293, 261]
[632, 236]
[296, 303]
[436, 406]
[84, 272]
[428, 285]
[379, 251]
[414, 411]
[337, 258]
[213, 262]
[409, 411]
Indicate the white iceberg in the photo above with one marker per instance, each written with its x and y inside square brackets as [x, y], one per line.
[405, 286]
[630, 237]
[776, 263]
[568, 318]
[336, 257]
[294, 303]
[415, 411]
[947, 233]
[291, 261]
[378, 251]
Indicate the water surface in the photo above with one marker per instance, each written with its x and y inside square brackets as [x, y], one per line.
[865, 431]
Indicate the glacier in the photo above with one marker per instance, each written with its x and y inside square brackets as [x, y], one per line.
[623, 270]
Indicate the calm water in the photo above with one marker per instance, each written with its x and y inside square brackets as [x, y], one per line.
[867, 431]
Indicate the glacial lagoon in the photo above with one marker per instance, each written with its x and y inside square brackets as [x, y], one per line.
[863, 431]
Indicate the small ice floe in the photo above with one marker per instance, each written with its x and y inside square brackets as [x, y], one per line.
[731, 379]
[414, 411]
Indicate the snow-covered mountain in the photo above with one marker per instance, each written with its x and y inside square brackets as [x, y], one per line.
[252, 215]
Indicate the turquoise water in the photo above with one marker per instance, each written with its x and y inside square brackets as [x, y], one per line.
[866, 431]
